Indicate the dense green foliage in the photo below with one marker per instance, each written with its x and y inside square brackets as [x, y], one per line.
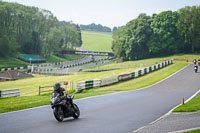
[94, 27]
[34, 31]
[115, 28]
[161, 34]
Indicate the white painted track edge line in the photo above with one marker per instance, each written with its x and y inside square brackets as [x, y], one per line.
[135, 131]
[186, 130]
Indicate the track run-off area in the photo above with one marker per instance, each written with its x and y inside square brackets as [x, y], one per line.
[120, 112]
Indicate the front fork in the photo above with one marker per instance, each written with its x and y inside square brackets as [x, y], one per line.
[60, 111]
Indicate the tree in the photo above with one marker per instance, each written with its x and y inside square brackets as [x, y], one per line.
[79, 41]
[94, 27]
[130, 42]
[53, 39]
[34, 31]
[8, 45]
[188, 27]
[160, 35]
[164, 37]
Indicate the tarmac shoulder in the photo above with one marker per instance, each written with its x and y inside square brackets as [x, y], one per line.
[174, 123]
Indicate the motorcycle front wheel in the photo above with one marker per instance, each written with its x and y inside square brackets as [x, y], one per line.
[76, 112]
[58, 113]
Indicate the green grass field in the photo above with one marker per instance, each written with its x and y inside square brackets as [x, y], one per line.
[29, 87]
[4, 63]
[53, 58]
[97, 41]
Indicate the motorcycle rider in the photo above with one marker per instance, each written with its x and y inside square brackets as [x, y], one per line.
[195, 61]
[61, 91]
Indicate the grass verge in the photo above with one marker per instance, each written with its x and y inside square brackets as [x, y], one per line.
[191, 106]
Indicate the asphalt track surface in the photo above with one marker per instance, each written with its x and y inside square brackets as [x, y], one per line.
[122, 112]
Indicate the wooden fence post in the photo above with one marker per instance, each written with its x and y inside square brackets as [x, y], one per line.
[39, 90]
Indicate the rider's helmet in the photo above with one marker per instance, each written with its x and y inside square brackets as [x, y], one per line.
[57, 86]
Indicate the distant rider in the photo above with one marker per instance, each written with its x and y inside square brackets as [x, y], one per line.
[61, 91]
[195, 61]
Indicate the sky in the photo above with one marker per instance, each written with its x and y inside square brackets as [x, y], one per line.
[105, 12]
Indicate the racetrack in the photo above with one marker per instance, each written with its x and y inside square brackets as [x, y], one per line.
[121, 112]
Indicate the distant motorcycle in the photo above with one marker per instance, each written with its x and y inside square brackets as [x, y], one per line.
[63, 109]
[195, 68]
[199, 62]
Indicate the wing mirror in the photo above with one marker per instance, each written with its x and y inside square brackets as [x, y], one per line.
[72, 96]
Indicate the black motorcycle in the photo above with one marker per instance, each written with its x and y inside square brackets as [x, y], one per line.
[63, 109]
[195, 68]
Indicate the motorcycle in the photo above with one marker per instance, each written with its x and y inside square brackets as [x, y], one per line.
[196, 68]
[63, 109]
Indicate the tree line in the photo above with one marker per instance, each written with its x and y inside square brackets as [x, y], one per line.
[166, 33]
[31, 30]
[95, 27]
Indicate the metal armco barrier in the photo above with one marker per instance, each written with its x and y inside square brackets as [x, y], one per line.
[110, 80]
[145, 71]
[96, 83]
[89, 84]
[10, 93]
[136, 74]
[150, 69]
[107, 81]
[13, 68]
[139, 73]
[125, 77]
[133, 75]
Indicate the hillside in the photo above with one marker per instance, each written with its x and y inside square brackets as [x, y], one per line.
[97, 41]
